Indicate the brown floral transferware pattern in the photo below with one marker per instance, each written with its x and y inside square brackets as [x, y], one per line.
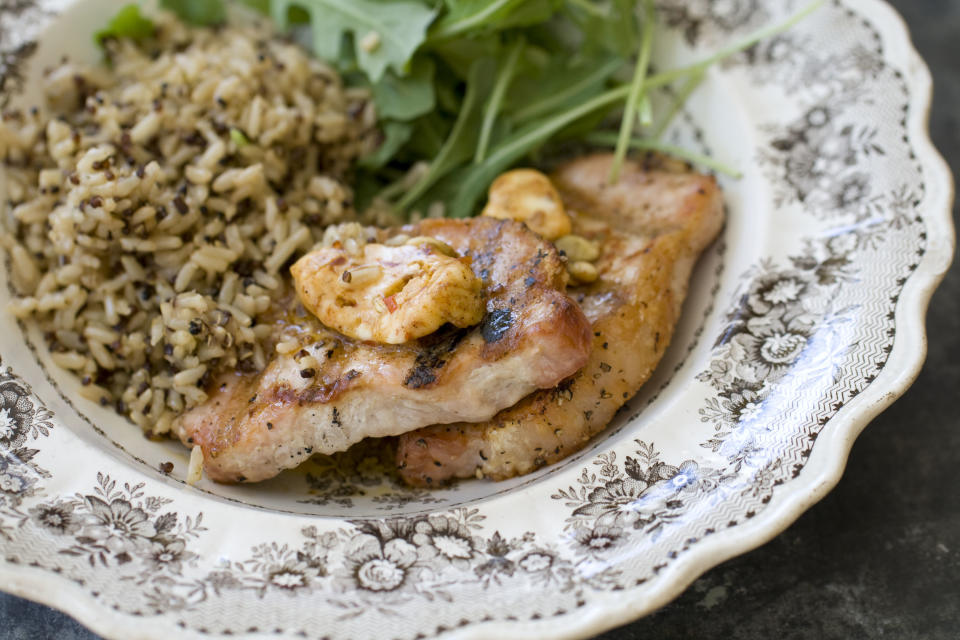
[800, 334]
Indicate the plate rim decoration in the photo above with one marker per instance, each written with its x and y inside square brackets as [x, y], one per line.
[619, 530]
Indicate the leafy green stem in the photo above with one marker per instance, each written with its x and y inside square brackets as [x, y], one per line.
[637, 88]
[548, 103]
[645, 112]
[450, 29]
[495, 102]
[447, 158]
[668, 77]
[646, 144]
[764, 33]
[282, 7]
[522, 143]
[678, 101]
[589, 7]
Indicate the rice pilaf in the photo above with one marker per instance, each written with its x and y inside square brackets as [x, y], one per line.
[153, 212]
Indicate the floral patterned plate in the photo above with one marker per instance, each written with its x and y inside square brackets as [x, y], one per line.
[804, 321]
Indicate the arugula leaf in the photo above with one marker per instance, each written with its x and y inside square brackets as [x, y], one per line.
[613, 30]
[560, 84]
[646, 144]
[462, 140]
[198, 12]
[126, 23]
[476, 181]
[263, 6]
[384, 34]
[530, 13]
[429, 133]
[449, 93]
[408, 97]
[619, 33]
[464, 15]
[589, 7]
[494, 104]
[365, 187]
[475, 86]
[396, 134]
[477, 15]
[637, 91]
[458, 54]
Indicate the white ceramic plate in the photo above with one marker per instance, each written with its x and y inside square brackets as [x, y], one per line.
[803, 323]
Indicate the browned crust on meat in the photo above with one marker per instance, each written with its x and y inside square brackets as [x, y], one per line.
[531, 270]
[253, 427]
[652, 226]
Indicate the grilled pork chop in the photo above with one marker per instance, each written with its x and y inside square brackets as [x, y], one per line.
[652, 225]
[532, 336]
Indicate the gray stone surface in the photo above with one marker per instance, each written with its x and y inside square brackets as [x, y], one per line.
[880, 555]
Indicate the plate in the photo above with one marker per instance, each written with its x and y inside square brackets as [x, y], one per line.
[803, 322]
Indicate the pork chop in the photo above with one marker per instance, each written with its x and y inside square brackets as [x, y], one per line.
[334, 391]
[651, 225]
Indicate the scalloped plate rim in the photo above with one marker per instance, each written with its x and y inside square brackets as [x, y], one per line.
[822, 473]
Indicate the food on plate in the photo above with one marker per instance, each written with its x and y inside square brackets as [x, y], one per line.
[323, 392]
[185, 232]
[157, 204]
[651, 227]
[587, 356]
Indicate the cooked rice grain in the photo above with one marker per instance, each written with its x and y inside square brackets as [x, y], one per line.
[195, 467]
[155, 206]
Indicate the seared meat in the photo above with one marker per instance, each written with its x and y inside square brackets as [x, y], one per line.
[334, 391]
[651, 226]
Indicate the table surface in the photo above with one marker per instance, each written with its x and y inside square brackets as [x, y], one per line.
[880, 555]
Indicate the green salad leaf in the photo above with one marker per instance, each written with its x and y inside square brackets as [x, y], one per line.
[560, 85]
[465, 89]
[395, 135]
[128, 22]
[477, 178]
[504, 78]
[460, 144]
[382, 34]
[199, 12]
[407, 97]
[485, 16]
[613, 29]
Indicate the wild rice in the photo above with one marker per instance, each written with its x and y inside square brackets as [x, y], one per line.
[156, 204]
